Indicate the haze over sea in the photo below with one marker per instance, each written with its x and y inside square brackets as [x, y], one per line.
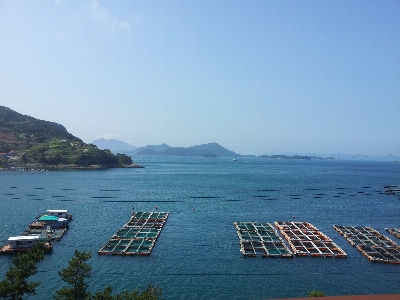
[197, 253]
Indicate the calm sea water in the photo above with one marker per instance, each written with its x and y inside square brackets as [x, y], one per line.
[197, 254]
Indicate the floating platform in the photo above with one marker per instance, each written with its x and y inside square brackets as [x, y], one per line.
[374, 245]
[260, 239]
[47, 233]
[394, 231]
[138, 236]
[306, 240]
[46, 228]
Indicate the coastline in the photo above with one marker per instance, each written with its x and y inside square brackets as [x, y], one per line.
[67, 167]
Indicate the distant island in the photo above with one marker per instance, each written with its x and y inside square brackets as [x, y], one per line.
[296, 157]
[26, 142]
[204, 150]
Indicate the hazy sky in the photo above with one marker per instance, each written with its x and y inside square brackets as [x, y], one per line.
[257, 77]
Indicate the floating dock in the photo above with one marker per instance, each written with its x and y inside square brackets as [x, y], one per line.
[138, 236]
[375, 246]
[260, 239]
[306, 240]
[394, 231]
[47, 228]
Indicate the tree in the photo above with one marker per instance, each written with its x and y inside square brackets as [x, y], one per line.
[150, 293]
[315, 293]
[75, 275]
[15, 285]
[124, 159]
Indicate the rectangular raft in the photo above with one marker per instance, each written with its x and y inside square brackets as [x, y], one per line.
[260, 239]
[306, 240]
[138, 236]
[394, 231]
[374, 245]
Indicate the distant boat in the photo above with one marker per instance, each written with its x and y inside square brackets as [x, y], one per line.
[234, 159]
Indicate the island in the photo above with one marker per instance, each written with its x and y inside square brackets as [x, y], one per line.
[29, 143]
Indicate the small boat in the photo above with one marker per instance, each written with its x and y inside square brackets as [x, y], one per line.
[21, 244]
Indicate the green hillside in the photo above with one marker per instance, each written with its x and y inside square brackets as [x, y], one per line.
[32, 143]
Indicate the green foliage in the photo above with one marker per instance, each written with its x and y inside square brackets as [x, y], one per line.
[30, 129]
[315, 293]
[15, 284]
[150, 293]
[75, 275]
[124, 159]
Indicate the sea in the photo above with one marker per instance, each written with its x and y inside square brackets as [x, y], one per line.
[197, 255]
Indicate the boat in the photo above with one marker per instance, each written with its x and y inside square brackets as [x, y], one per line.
[21, 244]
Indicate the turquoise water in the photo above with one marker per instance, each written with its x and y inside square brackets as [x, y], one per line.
[197, 253]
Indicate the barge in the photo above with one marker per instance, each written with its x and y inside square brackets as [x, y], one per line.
[138, 236]
[21, 244]
[306, 240]
[260, 239]
[47, 228]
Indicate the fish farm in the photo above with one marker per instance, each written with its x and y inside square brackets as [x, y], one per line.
[375, 246]
[260, 239]
[394, 231]
[138, 236]
[306, 240]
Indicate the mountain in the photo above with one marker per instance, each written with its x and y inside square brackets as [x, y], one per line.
[32, 143]
[205, 150]
[151, 149]
[113, 145]
[18, 132]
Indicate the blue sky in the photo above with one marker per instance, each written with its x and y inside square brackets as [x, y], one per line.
[257, 77]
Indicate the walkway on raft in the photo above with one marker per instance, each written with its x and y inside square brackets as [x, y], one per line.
[374, 245]
[306, 240]
[260, 239]
[138, 236]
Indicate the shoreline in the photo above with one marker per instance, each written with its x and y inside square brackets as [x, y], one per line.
[42, 168]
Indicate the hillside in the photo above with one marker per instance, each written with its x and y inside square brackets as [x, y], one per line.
[204, 150]
[32, 143]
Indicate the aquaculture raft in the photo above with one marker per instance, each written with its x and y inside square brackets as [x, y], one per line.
[394, 231]
[260, 239]
[306, 240]
[138, 236]
[375, 246]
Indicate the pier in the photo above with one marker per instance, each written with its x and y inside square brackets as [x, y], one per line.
[138, 236]
[306, 240]
[260, 239]
[374, 245]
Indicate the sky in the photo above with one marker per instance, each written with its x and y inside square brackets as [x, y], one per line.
[257, 77]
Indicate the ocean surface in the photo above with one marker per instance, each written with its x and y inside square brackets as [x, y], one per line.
[197, 253]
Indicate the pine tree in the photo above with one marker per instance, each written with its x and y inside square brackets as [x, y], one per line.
[75, 275]
[15, 285]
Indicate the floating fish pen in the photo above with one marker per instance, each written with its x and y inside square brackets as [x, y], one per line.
[306, 240]
[260, 239]
[394, 231]
[138, 236]
[375, 246]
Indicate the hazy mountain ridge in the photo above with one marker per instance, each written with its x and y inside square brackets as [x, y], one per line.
[113, 145]
[204, 150]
